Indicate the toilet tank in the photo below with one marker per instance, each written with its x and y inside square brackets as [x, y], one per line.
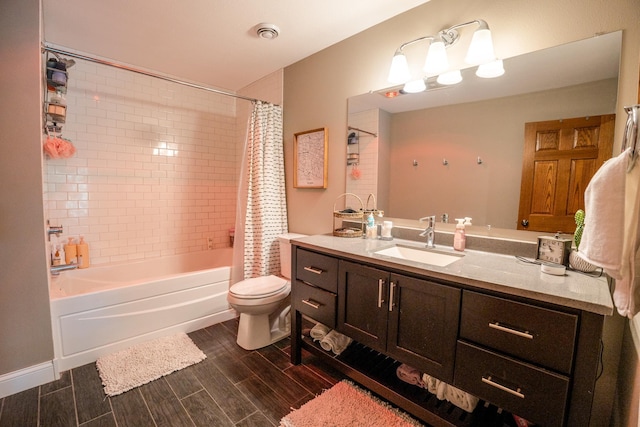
[285, 252]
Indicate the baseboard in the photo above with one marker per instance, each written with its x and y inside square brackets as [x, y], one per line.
[24, 379]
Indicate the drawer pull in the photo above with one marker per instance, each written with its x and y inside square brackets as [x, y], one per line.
[380, 286]
[492, 383]
[498, 326]
[311, 303]
[317, 271]
[391, 303]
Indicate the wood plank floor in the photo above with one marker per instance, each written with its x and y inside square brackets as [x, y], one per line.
[232, 387]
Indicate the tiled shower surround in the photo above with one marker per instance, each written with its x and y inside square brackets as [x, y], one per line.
[155, 170]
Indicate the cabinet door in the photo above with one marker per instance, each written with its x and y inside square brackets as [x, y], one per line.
[363, 304]
[423, 325]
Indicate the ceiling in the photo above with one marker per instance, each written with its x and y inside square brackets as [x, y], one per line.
[209, 41]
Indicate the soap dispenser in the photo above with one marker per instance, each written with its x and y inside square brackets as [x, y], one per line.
[459, 238]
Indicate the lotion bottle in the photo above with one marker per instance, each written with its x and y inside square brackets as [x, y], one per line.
[459, 238]
[71, 252]
[83, 253]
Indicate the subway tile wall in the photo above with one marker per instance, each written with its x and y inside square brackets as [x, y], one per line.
[156, 165]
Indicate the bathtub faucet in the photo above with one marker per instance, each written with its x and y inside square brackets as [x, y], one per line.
[56, 269]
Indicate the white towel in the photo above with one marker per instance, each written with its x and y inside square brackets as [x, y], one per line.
[604, 216]
[319, 331]
[442, 390]
[626, 295]
[460, 398]
[335, 341]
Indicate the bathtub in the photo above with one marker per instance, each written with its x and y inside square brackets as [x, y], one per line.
[102, 309]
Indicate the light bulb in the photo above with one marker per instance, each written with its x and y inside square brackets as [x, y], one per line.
[415, 86]
[399, 71]
[481, 48]
[490, 69]
[436, 61]
[450, 78]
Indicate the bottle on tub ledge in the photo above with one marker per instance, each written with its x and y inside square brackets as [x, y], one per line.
[82, 249]
[70, 252]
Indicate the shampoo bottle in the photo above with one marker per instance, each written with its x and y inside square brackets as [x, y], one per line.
[83, 253]
[459, 238]
[70, 252]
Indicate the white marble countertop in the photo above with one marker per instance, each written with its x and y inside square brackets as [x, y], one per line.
[481, 270]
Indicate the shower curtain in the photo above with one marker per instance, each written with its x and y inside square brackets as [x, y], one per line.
[261, 214]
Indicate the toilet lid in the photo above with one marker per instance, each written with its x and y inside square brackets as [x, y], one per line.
[259, 287]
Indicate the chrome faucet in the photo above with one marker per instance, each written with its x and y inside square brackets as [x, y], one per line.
[430, 231]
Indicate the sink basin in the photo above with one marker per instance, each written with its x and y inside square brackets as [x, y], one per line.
[425, 256]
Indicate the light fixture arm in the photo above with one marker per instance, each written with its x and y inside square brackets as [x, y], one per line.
[403, 45]
[451, 35]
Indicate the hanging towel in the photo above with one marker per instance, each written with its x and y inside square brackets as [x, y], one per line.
[626, 295]
[601, 243]
[319, 331]
[409, 375]
[335, 342]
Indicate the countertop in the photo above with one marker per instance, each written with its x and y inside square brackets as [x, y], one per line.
[478, 269]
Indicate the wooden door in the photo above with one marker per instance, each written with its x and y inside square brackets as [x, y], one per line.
[560, 157]
[363, 304]
[423, 325]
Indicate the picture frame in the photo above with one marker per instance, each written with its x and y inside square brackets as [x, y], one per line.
[310, 159]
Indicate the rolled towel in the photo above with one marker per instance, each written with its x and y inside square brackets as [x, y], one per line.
[319, 331]
[434, 386]
[335, 342]
[409, 375]
[461, 399]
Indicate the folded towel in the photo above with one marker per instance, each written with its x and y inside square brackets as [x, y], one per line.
[319, 331]
[335, 342]
[409, 375]
[603, 234]
[461, 399]
[457, 397]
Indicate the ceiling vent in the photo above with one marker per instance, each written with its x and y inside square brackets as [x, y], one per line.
[267, 31]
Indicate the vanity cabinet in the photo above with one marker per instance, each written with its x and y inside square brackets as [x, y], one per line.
[412, 320]
[518, 355]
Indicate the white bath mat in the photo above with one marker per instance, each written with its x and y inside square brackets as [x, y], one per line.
[130, 368]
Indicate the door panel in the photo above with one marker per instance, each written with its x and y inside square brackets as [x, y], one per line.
[362, 312]
[560, 157]
[423, 325]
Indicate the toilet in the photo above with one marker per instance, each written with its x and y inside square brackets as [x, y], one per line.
[264, 303]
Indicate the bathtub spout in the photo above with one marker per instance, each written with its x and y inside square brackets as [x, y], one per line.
[56, 269]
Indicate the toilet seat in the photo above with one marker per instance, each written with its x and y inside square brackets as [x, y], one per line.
[259, 287]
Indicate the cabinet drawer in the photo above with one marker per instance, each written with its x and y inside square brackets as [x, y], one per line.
[535, 334]
[318, 270]
[534, 394]
[316, 303]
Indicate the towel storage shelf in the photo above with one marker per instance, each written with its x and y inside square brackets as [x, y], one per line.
[505, 349]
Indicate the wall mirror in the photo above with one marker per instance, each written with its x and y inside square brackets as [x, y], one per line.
[457, 150]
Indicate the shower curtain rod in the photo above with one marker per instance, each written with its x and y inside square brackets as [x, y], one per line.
[146, 73]
[375, 135]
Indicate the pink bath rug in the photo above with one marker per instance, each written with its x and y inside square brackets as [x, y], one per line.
[134, 366]
[347, 405]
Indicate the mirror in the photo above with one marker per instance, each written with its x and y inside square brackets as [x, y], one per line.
[457, 150]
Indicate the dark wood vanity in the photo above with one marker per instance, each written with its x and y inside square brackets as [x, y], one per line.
[518, 351]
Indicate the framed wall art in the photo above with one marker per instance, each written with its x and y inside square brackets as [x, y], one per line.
[310, 159]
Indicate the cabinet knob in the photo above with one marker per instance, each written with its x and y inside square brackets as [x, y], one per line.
[525, 223]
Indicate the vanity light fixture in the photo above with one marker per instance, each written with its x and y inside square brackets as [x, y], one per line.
[480, 53]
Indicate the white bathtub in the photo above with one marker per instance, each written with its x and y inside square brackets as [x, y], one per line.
[102, 309]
